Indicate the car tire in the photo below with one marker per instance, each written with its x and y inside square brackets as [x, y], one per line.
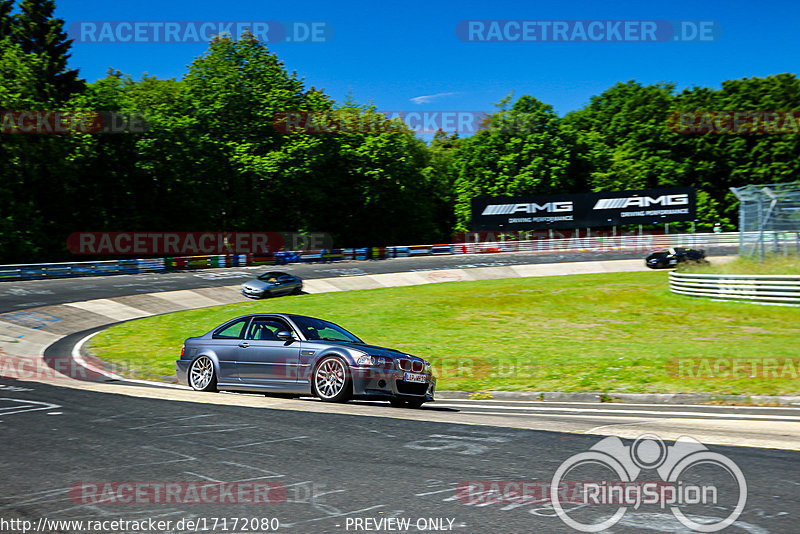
[331, 380]
[202, 375]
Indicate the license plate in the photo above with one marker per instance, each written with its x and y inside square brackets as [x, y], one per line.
[414, 377]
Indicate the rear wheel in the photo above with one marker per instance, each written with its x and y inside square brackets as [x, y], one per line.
[202, 376]
[332, 381]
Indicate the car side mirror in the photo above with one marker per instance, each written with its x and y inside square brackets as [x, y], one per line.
[285, 335]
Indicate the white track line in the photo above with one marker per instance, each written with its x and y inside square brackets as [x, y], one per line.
[584, 411]
[76, 355]
[545, 403]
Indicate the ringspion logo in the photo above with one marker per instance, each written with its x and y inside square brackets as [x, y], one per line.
[604, 501]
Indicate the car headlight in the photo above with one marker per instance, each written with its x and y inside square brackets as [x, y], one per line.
[366, 359]
[372, 361]
[427, 368]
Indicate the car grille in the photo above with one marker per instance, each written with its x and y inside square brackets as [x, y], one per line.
[410, 388]
[412, 366]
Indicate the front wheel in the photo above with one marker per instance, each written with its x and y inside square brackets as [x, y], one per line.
[332, 381]
[202, 376]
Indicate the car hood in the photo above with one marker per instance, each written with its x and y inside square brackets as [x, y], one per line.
[372, 350]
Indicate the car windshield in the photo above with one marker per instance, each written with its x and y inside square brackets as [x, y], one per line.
[317, 329]
[270, 277]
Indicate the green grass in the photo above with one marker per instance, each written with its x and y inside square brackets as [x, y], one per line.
[772, 264]
[599, 332]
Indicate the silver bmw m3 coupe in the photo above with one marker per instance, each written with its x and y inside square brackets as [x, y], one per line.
[297, 355]
[272, 284]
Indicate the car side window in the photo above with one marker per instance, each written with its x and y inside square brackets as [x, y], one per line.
[266, 329]
[284, 278]
[330, 333]
[234, 330]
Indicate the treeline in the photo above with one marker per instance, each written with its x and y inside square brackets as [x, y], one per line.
[212, 158]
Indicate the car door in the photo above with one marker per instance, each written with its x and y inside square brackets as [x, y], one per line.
[266, 361]
[225, 343]
[285, 284]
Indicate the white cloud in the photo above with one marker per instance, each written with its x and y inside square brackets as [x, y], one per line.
[426, 99]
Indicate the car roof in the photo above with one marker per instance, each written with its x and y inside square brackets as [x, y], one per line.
[277, 314]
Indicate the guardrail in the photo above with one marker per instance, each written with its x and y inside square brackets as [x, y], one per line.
[76, 269]
[764, 288]
[637, 242]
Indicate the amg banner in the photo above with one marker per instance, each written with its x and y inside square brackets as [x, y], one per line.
[587, 210]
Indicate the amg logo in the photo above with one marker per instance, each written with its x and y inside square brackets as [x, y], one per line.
[510, 209]
[641, 202]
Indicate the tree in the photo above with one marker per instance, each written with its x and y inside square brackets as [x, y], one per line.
[38, 31]
[246, 173]
[520, 151]
[714, 162]
[6, 19]
[22, 221]
[442, 174]
[622, 138]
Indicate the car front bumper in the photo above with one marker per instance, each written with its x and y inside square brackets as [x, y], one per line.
[374, 383]
[254, 293]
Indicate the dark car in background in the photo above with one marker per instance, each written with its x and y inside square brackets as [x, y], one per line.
[291, 354]
[664, 259]
[272, 284]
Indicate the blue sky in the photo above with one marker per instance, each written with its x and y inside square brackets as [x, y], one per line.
[390, 53]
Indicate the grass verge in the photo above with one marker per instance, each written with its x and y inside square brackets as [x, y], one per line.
[613, 333]
[772, 264]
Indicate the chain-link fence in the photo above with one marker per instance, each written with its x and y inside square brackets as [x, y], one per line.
[769, 218]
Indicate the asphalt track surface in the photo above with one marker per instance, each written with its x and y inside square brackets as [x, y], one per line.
[28, 294]
[327, 468]
[342, 468]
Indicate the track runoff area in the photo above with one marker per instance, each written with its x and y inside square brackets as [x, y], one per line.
[130, 457]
